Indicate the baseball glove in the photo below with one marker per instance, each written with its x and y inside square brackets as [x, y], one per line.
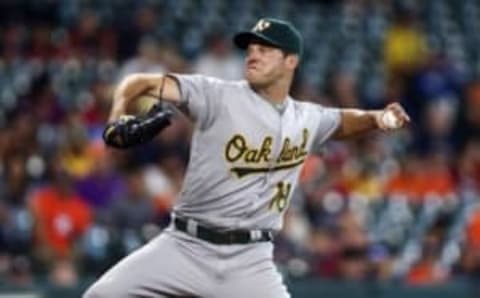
[130, 131]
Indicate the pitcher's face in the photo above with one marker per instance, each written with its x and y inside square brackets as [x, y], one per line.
[264, 64]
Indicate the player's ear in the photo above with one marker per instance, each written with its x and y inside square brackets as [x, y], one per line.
[291, 61]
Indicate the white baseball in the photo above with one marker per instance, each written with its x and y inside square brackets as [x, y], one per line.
[390, 120]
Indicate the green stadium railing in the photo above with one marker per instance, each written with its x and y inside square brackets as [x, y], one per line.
[305, 288]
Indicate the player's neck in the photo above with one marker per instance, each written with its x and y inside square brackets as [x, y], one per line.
[276, 92]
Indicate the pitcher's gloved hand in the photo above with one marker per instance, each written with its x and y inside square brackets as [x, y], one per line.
[130, 131]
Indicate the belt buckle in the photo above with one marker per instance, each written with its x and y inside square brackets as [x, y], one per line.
[192, 227]
[271, 236]
[231, 237]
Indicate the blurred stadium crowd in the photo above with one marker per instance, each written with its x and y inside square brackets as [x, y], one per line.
[398, 207]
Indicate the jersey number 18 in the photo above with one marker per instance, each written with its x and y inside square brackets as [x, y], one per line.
[280, 198]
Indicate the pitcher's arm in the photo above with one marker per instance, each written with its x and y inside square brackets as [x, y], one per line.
[356, 122]
[136, 85]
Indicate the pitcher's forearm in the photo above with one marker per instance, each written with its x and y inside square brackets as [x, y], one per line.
[129, 89]
[136, 85]
[356, 122]
[119, 108]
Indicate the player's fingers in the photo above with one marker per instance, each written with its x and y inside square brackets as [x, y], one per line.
[399, 112]
[405, 117]
[401, 115]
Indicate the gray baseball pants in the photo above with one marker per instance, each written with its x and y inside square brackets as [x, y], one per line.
[175, 264]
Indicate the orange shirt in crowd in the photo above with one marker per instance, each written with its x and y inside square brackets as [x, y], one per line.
[473, 230]
[425, 273]
[310, 168]
[417, 185]
[60, 220]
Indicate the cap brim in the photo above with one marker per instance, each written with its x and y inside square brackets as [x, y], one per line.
[243, 39]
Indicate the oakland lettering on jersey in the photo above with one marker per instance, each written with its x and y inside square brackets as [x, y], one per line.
[238, 150]
[290, 153]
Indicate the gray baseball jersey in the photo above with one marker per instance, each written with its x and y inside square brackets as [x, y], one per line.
[246, 154]
[245, 159]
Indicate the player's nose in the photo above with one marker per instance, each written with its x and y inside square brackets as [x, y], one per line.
[251, 58]
[252, 54]
[251, 61]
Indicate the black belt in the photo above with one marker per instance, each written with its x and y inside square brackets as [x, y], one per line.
[227, 237]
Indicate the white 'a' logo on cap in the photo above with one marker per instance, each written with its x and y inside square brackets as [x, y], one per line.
[261, 25]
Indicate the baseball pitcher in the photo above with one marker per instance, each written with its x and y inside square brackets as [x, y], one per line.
[249, 143]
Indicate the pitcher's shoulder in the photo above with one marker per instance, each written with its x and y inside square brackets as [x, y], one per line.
[233, 88]
[205, 78]
[218, 80]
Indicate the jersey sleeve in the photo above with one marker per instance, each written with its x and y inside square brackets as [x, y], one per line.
[201, 96]
[328, 120]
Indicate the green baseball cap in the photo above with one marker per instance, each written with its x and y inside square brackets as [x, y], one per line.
[274, 32]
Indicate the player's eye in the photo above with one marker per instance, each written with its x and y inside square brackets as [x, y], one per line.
[264, 49]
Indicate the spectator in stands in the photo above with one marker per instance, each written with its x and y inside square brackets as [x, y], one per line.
[12, 43]
[143, 23]
[15, 183]
[22, 138]
[44, 102]
[422, 177]
[468, 168]
[40, 46]
[134, 209]
[439, 118]
[16, 224]
[162, 188]
[327, 197]
[364, 182]
[219, 60]
[473, 230]
[436, 176]
[344, 90]
[61, 216]
[469, 263]
[405, 51]
[63, 274]
[437, 82]
[427, 271]
[95, 112]
[354, 264]
[341, 250]
[20, 272]
[404, 181]
[323, 258]
[468, 127]
[103, 185]
[405, 48]
[147, 59]
[89, 39]
[296, 230]
[172, 59]
[76, 158]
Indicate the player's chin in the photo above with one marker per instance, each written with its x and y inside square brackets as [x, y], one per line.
[249, 74]
[253, 77]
